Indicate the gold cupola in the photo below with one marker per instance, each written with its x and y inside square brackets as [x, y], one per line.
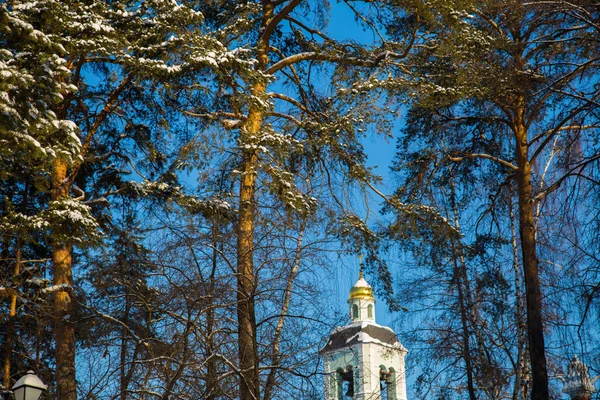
[361, 289]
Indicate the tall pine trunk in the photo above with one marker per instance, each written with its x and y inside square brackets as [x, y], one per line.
[247, 346]
[13, 294]
[466, 350]
[63, 304]
[533, 295]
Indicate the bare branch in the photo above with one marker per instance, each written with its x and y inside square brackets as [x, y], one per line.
[486, 156]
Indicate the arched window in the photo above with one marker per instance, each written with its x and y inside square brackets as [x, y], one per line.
[355, 311]
[370, 311]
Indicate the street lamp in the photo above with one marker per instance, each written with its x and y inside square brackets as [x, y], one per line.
[29, 387]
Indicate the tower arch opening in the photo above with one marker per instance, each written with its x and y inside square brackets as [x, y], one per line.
[345, 383]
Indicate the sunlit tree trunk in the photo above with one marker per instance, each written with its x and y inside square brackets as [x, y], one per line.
[248, 353]
[247, 346]
[527, 234]
[64, 329]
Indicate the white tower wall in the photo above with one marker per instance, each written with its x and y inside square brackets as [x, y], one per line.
[366, 309]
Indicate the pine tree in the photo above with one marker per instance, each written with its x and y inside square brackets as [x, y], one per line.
[504, 83]
[31, 89]
[59, 46]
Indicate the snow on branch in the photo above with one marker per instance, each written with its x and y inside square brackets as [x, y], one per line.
[64, 287]
[71, 221]
[174, 193]
[333, 57]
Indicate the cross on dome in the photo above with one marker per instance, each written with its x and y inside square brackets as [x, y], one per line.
[361, 289]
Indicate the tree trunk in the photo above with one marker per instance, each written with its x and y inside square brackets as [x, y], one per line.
[4, 267]
[64, 329]
[12, 316]
[465, 333]
[460, 274]
[535, 327]
[519, 392]
[287, 297]
[212, 384]
[247, 347]
[13, 294]
[123, 375]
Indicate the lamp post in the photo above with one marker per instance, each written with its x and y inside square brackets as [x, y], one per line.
[29, 387]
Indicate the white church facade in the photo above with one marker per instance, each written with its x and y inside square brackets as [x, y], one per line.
[364, 360]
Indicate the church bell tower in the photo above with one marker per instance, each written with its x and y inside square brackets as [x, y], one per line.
[364, 360]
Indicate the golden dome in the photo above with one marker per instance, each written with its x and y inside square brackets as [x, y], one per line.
[361, 289]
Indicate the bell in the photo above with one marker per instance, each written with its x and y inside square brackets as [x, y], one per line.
[350, 391]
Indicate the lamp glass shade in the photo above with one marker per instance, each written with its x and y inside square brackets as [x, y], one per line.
[29, 387]
[27, 393]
